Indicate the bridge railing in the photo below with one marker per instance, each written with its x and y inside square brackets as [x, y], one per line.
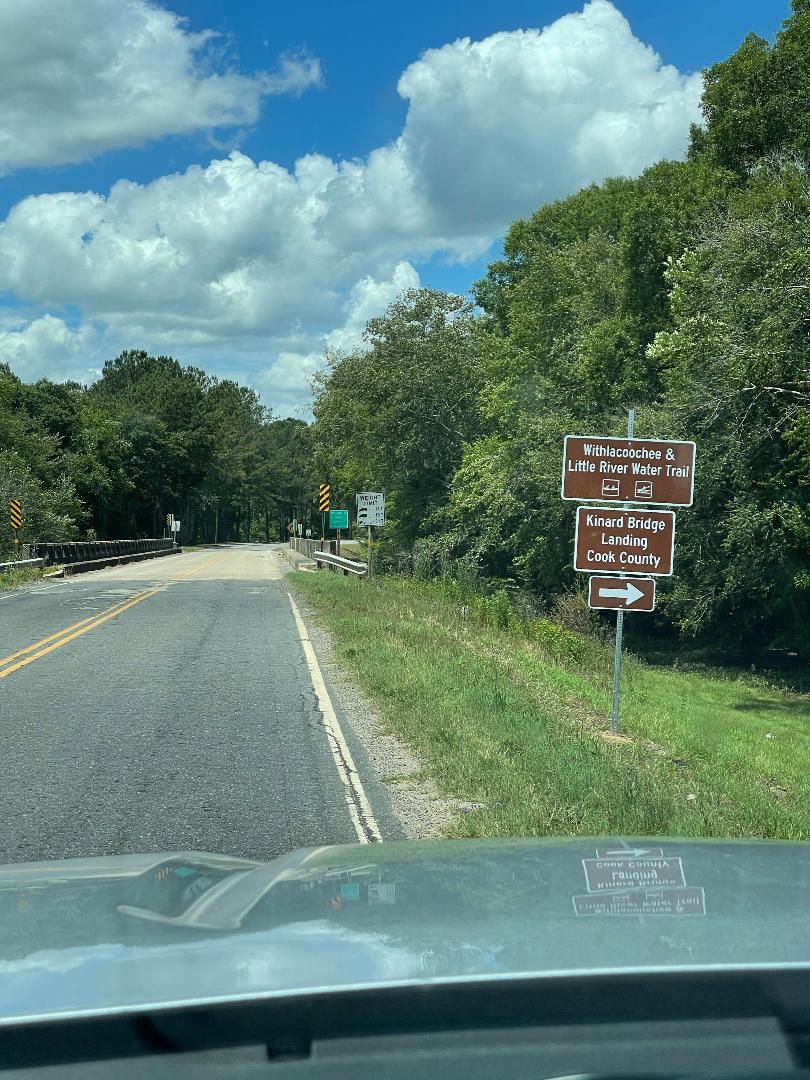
[91, 550]
[21, 564]
[324, 560]
[308, 547]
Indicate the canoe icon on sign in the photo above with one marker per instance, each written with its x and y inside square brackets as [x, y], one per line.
[610, 489]
[643, 489]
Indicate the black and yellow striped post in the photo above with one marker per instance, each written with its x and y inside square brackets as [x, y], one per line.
[15, 510]
[324, 499]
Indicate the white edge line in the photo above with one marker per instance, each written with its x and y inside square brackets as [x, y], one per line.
[347, 770]
[28, 592]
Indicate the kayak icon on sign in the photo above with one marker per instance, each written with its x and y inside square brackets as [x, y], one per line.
[643, 489]
[610, 489]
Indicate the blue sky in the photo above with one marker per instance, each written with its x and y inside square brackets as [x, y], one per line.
[251, 271]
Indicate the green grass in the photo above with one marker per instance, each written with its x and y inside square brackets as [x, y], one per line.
[513, 716]
[12, 579]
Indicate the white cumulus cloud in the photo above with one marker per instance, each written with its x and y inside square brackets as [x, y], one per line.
[495, 127]
[287, 381]
[47, 347]
[249, 259]
[78, 77]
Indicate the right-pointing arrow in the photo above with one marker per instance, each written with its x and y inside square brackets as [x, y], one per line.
[629, 593]
[634, 853]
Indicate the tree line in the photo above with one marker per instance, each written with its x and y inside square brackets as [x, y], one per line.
[150, 437]
[683, 293]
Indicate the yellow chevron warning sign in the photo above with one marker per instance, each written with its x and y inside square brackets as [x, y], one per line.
[324, 497]
[15, 512]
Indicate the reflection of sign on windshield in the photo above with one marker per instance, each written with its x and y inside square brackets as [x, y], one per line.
[685, 901]
[637, 881]
[629, 852]
[602, 875]
[382, 892]
[173, 887]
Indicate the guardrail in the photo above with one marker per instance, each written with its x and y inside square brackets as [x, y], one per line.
[307, 546]
[21, 564]
[77, 557]
[336, 563]
[80, 551]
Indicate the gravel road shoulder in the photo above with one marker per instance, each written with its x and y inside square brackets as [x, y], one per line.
[423, 812]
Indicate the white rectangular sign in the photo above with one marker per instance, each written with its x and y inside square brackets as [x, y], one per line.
[371, 508]
[176, 525]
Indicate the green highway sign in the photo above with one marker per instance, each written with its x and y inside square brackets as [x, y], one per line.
[338, 519]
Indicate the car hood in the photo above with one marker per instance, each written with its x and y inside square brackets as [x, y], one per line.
[109, 934]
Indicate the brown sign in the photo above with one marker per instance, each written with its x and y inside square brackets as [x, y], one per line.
[636, 541]
[628, 470]
[621, 594]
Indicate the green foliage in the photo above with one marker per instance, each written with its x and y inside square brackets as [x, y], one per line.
[150, 437]
[558, 642]
[683, 293]
[49, 511]
[395, 416]
[757, 102]
[737, 366]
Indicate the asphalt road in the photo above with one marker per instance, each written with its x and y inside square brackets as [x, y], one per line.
[167, 705]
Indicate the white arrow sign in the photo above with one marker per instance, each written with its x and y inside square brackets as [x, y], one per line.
[629, 593]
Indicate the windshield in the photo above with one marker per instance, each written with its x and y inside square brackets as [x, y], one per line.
[404, 493]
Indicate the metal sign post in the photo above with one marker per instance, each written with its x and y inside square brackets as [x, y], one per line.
[617, 652]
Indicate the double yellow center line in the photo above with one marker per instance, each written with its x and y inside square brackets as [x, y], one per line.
[23, 657]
